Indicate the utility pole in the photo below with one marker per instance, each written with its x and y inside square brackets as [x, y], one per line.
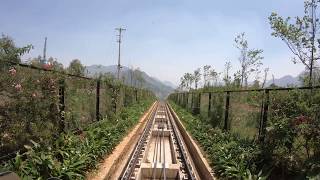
[119, 42]
[44, 60]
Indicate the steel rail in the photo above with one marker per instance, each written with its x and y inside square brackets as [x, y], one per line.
[164, 152]
[159, 152]
[126, 174]
[158, 141]
[181, 149]
[155, 154]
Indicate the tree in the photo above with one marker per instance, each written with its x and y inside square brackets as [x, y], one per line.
[55, 65]
[266, 70]
[187, 80]
[227, 78]
[9, 51]
[301, 36]
[304, 77]
[107, 77]
[316, 76]
[206, 74]
[250, 59]
[256, 84]
[131, 74]
[256, 81]
[76, 68]
[183, 83]
[237, 79]
[213, 76]
[196, 77]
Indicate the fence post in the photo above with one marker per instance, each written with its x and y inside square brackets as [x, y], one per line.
[261, 113]
[265, 115]
[114, 98]
[177, 98]
[226, 113]
[199, 104]
[192, 99]
[136, 92]
[61, 105]
[209, 105]
[98, 100]
[186, 100]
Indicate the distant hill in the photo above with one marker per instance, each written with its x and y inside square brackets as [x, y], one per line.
[168, 83]
[161, 89]
[285, 81]
[96, 69]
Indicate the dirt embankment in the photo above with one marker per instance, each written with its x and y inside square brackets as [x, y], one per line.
[112, 165]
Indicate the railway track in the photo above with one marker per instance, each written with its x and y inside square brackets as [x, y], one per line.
[161, 152]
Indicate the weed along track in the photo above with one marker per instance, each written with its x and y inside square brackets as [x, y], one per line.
[161, 151]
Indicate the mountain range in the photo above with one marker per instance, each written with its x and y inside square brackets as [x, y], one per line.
[285, 81]
[159, 88]
[163, 88]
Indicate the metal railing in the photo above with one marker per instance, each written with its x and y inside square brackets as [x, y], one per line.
[245, 112]
[38, 103]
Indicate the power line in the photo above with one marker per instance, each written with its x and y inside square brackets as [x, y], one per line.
[119, 42]
[44, 58]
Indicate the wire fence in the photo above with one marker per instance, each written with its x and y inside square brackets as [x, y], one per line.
[279, 126]
[38, 104]
[250, 113]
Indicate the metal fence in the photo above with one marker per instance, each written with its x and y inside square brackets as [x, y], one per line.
[38, 104]
[249, 112]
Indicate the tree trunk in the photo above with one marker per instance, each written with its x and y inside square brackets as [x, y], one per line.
[312, 42]
[242, 78]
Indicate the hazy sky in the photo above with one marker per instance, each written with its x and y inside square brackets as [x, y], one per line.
[165, 38]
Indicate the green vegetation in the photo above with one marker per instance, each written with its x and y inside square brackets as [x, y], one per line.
[30, 100]
[250, 63]
[301, 36]
[230, 156]
[72, 156]
[266, 133]
[290, 150]
[244, 113]
[8, 49]
[80, 107]
[49, 117]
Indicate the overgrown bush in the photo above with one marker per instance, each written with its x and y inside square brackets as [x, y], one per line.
[72, 156]
[290, 150]
[293, 133]
[28, 102]
[230, 156]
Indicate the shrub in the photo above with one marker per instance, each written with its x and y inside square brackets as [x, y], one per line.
[72, 156]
